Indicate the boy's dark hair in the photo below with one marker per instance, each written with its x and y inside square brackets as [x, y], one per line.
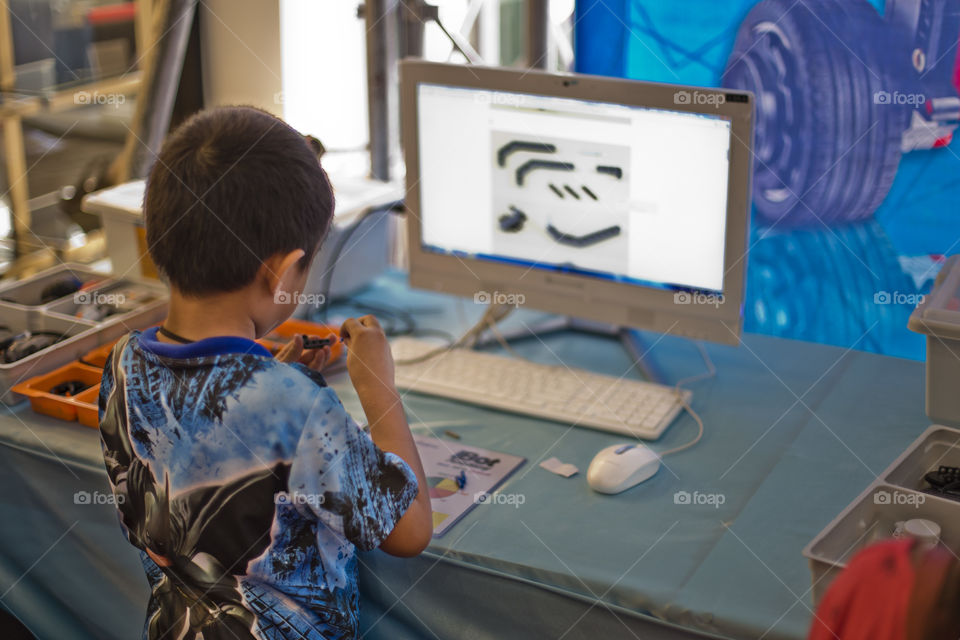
[231, 187]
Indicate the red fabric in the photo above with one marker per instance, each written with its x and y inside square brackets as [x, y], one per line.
[869, 599]
[123, 12]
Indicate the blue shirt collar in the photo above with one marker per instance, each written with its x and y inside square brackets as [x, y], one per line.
[218, 346]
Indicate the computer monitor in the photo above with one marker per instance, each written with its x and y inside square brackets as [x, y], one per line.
[615, 201]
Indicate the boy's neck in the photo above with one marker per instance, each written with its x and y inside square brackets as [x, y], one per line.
[208, 317]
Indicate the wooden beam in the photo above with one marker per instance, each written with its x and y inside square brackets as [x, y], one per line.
[17, 187]
[143, 24]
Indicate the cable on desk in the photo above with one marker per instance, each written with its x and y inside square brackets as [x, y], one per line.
[709, 373]
[405, 316]
[493, 314]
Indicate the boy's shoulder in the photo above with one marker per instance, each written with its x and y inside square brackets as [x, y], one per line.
[249, 378]
[234, 403]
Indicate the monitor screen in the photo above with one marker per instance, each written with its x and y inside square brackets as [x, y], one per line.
[615, 192]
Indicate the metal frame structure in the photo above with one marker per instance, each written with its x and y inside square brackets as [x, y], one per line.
[395, 31]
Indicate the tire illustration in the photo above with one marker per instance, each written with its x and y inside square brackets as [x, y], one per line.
[827, 137]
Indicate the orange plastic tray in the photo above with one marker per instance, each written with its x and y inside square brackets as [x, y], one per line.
[87, 408]
[285, 332]
[98, 357]
[51, 404]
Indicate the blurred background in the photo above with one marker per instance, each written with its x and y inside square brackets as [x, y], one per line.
[855, 174]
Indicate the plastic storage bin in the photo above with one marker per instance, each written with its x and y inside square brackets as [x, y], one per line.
[43, 400]
[26, 295]
[22, 308]
[937, 446]
[152, 308]
[872, 517]
[81, 337]
[98, 357]
[87, 409]
[938, 317]
[896, 496]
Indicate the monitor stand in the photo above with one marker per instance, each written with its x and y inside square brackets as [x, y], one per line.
[636, 347]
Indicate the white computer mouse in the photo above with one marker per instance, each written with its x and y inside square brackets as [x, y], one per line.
[621, 466]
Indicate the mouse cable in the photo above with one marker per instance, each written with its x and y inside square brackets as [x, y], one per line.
[709, 373]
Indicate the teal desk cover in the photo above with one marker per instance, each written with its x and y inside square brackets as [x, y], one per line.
[794, 431]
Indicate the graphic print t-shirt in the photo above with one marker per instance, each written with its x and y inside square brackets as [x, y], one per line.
[246, 486]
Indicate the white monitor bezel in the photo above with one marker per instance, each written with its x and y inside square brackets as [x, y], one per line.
[586, 297]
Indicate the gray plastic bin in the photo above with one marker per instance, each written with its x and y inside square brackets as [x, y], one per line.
[147, 314]
[870, 518]
[82, 337]
[938, 317]
[24, 295]
[895, 496]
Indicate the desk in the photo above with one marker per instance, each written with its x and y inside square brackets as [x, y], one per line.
[794, 431]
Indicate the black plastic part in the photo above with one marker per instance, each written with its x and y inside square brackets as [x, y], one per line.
[313, 342]
[584, 240]
[616, 172]
[69, 388]
[943, 476]
[531, 165]
[59, 289]
[522, 145]
[513, 221]
[571, 192]
[587, 191]
[553, 187]
[27, 344]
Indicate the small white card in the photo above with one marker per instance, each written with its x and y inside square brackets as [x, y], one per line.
[564, 469]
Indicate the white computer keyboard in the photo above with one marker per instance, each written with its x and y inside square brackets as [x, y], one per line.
[571, 396]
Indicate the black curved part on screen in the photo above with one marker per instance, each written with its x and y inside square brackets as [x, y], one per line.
[513, 221]
[616, 172]
[587, 240]
[533, 165]
[522, 145]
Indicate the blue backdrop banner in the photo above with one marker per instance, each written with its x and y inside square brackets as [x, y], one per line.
[855, 178]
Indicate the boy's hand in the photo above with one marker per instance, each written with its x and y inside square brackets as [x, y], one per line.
[293, 351]
[369, 360]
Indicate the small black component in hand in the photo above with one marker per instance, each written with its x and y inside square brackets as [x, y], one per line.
[313, 342]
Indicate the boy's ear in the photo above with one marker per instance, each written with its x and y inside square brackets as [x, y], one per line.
[281, 268]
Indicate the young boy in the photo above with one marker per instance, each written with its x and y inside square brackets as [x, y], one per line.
[240, 477]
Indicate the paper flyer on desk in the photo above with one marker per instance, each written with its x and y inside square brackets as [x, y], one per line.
[443, 461]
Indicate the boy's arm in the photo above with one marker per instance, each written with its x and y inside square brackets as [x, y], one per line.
[370, 365]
